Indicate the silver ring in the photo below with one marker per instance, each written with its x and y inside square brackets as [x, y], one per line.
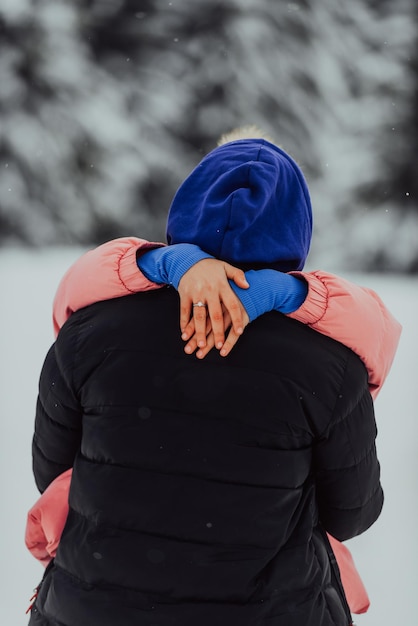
[200, 303]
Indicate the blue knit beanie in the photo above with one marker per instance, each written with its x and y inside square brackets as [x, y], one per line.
[247, 202]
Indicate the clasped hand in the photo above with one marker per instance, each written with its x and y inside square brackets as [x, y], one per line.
[204, 327]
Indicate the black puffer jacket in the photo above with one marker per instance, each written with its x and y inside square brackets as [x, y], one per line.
[201, 490]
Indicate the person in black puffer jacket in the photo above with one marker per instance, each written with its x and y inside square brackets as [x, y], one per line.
[202, 491]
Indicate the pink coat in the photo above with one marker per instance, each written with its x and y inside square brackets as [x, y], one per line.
[335, 307]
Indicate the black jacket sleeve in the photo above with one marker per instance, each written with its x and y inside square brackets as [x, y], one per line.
[349, 492]
[57, 435]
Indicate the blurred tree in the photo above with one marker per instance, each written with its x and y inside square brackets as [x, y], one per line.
[396, 190]
[367, 75]
[106, 106]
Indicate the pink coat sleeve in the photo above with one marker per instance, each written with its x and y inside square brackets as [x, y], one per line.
[106, 272]
[356, 317]
[46, 519]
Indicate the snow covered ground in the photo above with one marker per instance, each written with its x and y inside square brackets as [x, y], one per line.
[386, 555]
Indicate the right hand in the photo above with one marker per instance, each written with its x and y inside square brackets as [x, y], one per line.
[207, 282]
[227, 346]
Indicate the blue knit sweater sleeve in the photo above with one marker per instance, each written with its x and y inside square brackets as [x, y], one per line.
[167, 265]
[271, 290]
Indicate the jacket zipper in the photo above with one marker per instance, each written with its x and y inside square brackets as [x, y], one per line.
[336, 575]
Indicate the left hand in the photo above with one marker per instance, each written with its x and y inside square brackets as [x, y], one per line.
[207, 282]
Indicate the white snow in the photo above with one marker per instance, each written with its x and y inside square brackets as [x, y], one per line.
[386, 555]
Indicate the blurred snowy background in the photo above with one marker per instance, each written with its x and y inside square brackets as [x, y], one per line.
[106, 105]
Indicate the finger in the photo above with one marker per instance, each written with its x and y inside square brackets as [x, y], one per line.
[232, 339]
[210, 343]
[229, 343]
[237, 275]
[210, 338]
[236, 312]
[216, 317]
[191, 346]
[231, 301]
[189, 330]
[185, 313]
[200, 318]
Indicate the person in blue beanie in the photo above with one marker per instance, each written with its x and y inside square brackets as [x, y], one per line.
[203, 490]
[247, 202]
[316, 298]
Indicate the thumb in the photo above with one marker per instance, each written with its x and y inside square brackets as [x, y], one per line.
[237, 275]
